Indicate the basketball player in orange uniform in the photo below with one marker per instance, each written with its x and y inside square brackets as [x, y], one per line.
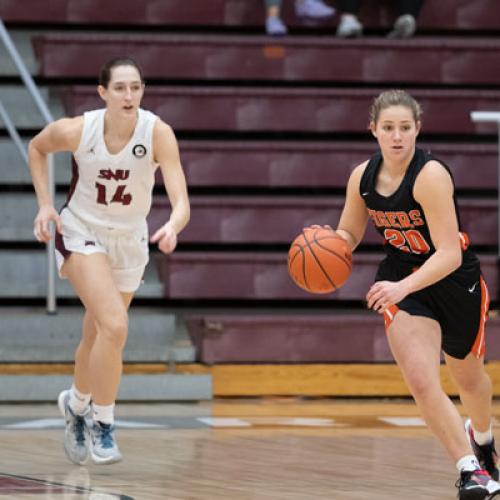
[429, 287]
[102, 237]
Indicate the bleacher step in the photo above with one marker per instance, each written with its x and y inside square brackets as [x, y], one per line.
[32, 335]
[14, 171]
[23, 274]
[159, 387]
[279, 164]
[22, 109]
[450, 60]
[249, 219]
[22, 42]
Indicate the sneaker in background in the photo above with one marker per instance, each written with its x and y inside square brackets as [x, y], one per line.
[349, 27]
[313, 9]
[275, 26]
[404, 27]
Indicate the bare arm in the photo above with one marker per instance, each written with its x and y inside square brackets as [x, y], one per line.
[166, 153]
[352, 224]
[61, 135]
[434, 191]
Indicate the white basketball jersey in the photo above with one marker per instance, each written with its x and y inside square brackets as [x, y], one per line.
[113, 191]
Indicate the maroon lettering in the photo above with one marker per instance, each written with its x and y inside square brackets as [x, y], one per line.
[101, 194]
[120, 197]
[117, 175]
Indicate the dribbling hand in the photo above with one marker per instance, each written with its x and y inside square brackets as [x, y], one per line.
[41, 225]
[166, 237]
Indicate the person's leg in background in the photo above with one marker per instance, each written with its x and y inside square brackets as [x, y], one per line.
[274, 24]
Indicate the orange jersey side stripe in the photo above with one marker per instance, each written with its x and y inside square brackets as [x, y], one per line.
[464, 240]
[479, 347]
[389, 314]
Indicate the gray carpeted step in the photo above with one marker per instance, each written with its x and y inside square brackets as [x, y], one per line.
[163, 387]
[22, 109]
[13, 170]
[23, 273]
[18, 212]
[22, 42]
[32, 335]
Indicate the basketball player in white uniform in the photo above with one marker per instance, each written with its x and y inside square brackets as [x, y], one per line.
[102, 237]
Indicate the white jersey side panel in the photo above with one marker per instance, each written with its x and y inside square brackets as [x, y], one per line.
[113, 190]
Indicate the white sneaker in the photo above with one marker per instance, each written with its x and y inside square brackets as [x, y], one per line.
[77, 440]
[313, 9]
[275, 26]
[104, 450]
[349, 26]
[404, 27]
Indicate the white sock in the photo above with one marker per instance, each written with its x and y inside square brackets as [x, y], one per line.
[78, 401]
[482, 437]
[104, 414]
[469, 463]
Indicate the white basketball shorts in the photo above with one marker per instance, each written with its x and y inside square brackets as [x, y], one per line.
[128, 251]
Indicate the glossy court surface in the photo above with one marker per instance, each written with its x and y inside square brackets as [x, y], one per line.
[247, 449]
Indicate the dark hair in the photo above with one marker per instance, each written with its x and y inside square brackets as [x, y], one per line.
[394, 98]
[105, 72]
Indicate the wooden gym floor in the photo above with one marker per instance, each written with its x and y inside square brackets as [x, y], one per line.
[250, 449]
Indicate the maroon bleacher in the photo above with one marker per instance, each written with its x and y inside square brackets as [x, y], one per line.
[299, 130]
[279, 219]
[445, 14]
[294, 109]
[263, 275]
[299, 337]
[449, 61]
[289, 338]
[327, 164]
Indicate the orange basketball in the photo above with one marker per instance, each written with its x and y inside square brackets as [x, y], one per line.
[319, 260]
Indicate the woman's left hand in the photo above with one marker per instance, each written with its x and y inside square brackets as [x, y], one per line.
[166, 237]
[383, 294]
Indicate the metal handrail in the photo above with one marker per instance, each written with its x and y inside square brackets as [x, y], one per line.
[47, 116]
[492, 116]
[14, 135]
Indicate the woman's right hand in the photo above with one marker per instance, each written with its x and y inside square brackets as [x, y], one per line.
[41, 226]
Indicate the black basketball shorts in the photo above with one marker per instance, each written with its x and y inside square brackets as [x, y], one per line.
[459, 303]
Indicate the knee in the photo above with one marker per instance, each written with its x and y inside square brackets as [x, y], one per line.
[113, 329]
[473, 384]
[422, 386]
